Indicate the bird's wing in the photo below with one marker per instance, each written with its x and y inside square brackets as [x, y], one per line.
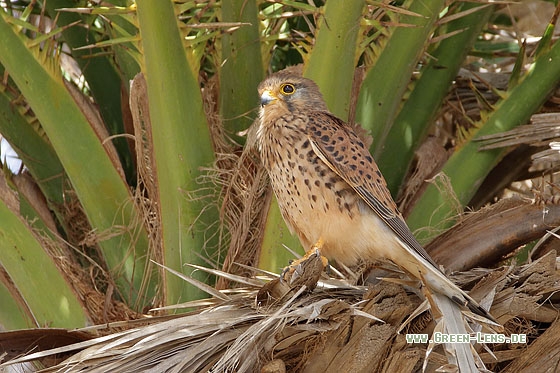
[343, 152]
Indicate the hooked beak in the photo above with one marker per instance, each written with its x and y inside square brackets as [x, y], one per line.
[267, 97]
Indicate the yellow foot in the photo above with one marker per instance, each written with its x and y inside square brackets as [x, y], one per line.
[307, 270]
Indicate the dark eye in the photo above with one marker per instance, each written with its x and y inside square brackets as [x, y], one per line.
[287, 88]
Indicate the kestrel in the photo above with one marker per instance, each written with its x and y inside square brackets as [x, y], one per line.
[330, 190]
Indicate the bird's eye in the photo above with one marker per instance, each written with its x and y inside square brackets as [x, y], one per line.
[287, 88]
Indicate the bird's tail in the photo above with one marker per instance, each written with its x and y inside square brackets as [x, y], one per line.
[452, 322]
[447, 301]
[419, 265]
[439, 283]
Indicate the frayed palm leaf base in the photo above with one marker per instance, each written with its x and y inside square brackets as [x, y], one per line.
[268, 326]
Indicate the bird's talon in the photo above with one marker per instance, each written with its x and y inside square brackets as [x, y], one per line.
[286, 271]
[328, 270]
[304, 266]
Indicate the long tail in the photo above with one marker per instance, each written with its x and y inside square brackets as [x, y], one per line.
[447, 298]
[437, 281]
[452, 322]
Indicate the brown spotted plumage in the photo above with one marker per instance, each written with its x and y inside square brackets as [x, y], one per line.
[330, 190]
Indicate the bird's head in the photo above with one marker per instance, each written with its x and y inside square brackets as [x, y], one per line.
[283, 92]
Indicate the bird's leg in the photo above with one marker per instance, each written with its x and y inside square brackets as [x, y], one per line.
[310, 265]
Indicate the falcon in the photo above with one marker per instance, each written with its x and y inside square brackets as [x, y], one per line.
[330, 190]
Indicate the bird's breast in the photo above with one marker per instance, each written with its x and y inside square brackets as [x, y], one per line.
[314, 201]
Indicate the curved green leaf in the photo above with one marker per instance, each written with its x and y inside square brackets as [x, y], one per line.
[383, 88]
[468, 167]
[100, 188]
[333, 58]
[414, 120]
[42, 290]
[182, 146]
